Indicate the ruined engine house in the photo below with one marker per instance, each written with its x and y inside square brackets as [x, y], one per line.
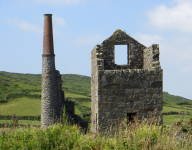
[119, 91]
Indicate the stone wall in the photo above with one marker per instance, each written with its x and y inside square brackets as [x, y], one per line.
[60, 94]
[49, 95]
[70, 107]
[95, 64]
[128, 91]
[151, 57]
[118, 91]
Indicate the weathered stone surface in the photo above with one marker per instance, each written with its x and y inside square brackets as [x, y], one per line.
[104, 105]
[128, 91]
[138, 91]
[52, 96]
[156, 84]
[118, 90]
[108, 98]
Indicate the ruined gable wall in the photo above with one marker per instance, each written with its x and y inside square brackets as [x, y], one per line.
[121, 89]
[135, 51]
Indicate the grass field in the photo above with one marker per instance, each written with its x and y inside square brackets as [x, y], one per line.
[21, 106]
[32, 107]
[72, 95]
[170, 119]
[25, 122]
[169, 109]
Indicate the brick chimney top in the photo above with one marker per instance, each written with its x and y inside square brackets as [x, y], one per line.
[48, 47]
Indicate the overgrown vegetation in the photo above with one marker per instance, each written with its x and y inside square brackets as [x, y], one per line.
[144, 135]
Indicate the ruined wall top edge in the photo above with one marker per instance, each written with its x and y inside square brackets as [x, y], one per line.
[157, 69]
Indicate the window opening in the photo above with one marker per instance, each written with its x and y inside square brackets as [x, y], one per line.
[121, 54]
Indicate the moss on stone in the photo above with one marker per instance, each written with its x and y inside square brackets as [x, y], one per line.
[119, 31]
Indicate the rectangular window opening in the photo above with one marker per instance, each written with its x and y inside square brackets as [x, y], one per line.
[121, 54]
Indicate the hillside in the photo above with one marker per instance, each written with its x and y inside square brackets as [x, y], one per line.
[13, 84]
[21, 94]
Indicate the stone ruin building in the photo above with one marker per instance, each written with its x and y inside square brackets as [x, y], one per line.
[52, 96]
[124, 91]
[117, 91]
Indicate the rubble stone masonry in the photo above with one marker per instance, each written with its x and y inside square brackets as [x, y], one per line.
[118, 91]
[52, 96]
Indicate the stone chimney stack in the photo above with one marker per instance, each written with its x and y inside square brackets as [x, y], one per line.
[49, 95]
[48, 48]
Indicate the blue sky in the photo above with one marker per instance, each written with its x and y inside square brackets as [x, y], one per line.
[78, 25]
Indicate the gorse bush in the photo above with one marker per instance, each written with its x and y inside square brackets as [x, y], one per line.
[137, 135]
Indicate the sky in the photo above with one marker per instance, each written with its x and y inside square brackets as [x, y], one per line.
[78, 25]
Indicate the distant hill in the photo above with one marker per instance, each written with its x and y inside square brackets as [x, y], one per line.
[18, 85]
[175, 100]
[13, 85]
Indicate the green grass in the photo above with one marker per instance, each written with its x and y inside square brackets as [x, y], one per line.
[174, 100]
[78, 83]
[72, 95]
[17, 83]
[169, 109]
[21, 106]
[130, 137]
[170, 119]
[35, 93]
[77, 111]
[24, 122]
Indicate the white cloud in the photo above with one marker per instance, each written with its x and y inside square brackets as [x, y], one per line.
[177, 17]
[88, 39]
[175, 49]
[60, 21]
[147, 39]
[24, 25]
[58, 2]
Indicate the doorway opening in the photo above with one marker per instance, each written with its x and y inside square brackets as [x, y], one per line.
[130, 117]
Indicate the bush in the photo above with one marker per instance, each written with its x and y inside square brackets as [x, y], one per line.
[183, 103]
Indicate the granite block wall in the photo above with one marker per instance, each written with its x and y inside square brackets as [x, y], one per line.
[128, 91]
[119, 91]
